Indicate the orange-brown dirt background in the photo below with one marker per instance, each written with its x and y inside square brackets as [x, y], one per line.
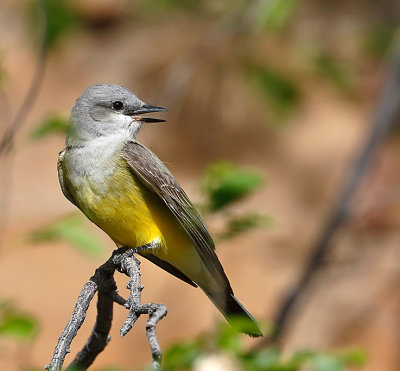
[217, 114]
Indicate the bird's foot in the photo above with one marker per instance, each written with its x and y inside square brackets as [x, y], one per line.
[149, 246]
[131, 251]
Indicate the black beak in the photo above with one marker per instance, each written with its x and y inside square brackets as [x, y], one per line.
[147, 108]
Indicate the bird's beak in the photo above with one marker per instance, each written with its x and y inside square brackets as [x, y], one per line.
[147, 108]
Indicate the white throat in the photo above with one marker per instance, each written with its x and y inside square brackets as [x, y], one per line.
[95, 160]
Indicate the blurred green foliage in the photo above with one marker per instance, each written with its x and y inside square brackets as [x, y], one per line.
[3, 73]
[72, 230]
[378, 37]
[336, 71]
[107, 368]
[274, 14]
[281, 92]
[224, 183]
[155, 6]
[227, 342]
[16, 324]
[183, 355]
[237, 225]
[60, 18]
[53, 124]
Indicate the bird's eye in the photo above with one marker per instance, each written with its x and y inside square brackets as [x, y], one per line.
[118, 105]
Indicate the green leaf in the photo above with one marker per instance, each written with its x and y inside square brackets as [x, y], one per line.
[353, 357]
[301, 356]
[324, 362]
[182, 355]
[54, 124]
[225, 183]
[281, 93]
[18, 325]
[228, 338]
[265, 360]
[70, 229]
[240, 224]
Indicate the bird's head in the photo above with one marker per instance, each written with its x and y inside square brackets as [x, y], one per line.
[105, 110]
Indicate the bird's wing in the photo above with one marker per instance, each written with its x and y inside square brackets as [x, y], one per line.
[154, 174]
[61, 178]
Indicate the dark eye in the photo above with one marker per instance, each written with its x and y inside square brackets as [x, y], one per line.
[118, 105]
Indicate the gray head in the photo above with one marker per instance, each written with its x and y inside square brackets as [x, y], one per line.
[106, 110]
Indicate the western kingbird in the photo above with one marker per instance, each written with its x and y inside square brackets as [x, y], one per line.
[125, 189]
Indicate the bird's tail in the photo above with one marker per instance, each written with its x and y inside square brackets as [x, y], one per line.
[235, 313]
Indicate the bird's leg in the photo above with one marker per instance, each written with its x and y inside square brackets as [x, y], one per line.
[127, 251]
[124, 252]
[149, 246]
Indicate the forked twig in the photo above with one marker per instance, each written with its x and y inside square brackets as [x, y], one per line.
[103, 282]
[131, 267]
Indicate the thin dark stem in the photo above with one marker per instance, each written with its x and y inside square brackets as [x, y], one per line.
[6, 141]
[102, 281]
[386, 116]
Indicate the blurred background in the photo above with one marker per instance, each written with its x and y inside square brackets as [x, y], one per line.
[270, 104]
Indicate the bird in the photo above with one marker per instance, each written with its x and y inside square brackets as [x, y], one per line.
[127, 191]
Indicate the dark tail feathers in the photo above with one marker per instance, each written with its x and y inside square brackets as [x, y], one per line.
[236, 314]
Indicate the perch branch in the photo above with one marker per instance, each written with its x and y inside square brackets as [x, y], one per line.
[99, 337]
[131, 267]
[103, 282]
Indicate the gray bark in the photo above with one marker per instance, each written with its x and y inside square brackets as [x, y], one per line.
[103, 283]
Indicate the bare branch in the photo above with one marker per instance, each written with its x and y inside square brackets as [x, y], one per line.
[99, 336]
[102, 281]
[72, 327]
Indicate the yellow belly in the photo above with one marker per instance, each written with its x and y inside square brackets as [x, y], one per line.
[133, 216]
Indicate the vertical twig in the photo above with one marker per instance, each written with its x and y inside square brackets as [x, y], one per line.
[6, 142]
[386, 116]
[131, 267]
